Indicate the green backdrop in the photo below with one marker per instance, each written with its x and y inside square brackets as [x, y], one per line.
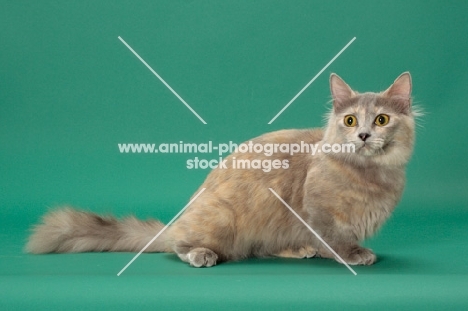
[70, 91]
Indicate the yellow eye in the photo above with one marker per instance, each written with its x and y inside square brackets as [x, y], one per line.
[350, 120]
[382, 120]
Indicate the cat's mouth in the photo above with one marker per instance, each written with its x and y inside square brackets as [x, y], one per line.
[369, 149]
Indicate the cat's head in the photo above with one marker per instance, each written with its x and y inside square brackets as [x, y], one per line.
[379, 125]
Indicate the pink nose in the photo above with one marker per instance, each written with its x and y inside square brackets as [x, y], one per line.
[364, 136]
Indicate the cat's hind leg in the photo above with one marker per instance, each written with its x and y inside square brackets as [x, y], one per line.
[204, 235]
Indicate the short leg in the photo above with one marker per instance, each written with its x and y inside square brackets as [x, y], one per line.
[303, 252]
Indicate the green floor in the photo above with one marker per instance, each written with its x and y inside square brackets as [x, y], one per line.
[70, 92]
[422, 264]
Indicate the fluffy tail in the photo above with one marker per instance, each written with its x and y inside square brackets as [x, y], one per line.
[67, 230]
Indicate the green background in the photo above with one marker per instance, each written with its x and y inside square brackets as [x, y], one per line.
[70, 91]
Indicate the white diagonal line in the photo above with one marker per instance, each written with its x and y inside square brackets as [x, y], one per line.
[161, 79]
[313, 231]
[160, 232]
[313, 79]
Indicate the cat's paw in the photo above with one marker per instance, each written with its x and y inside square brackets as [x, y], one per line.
[202, 257]
[307, 252]
[303, 252]
[359, 256]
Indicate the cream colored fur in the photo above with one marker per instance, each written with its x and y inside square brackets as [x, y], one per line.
[344, 197]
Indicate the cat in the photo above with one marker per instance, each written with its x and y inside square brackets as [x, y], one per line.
[344, 197]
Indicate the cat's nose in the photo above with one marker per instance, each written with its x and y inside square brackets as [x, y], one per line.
[364, 136]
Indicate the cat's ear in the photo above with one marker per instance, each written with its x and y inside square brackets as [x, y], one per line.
[401, 88]
[340, 91]
[400, 92]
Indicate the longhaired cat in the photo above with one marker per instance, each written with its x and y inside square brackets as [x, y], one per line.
[344, 197]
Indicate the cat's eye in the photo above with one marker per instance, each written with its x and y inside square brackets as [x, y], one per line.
[350, 120]
[382, 120]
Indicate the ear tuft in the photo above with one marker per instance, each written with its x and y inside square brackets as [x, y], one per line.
[340, 91]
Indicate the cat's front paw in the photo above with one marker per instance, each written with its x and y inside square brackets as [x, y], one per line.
[303, 252]
[307, 252]
[359, 256]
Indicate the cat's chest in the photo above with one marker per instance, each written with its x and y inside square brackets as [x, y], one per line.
[361, 200]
